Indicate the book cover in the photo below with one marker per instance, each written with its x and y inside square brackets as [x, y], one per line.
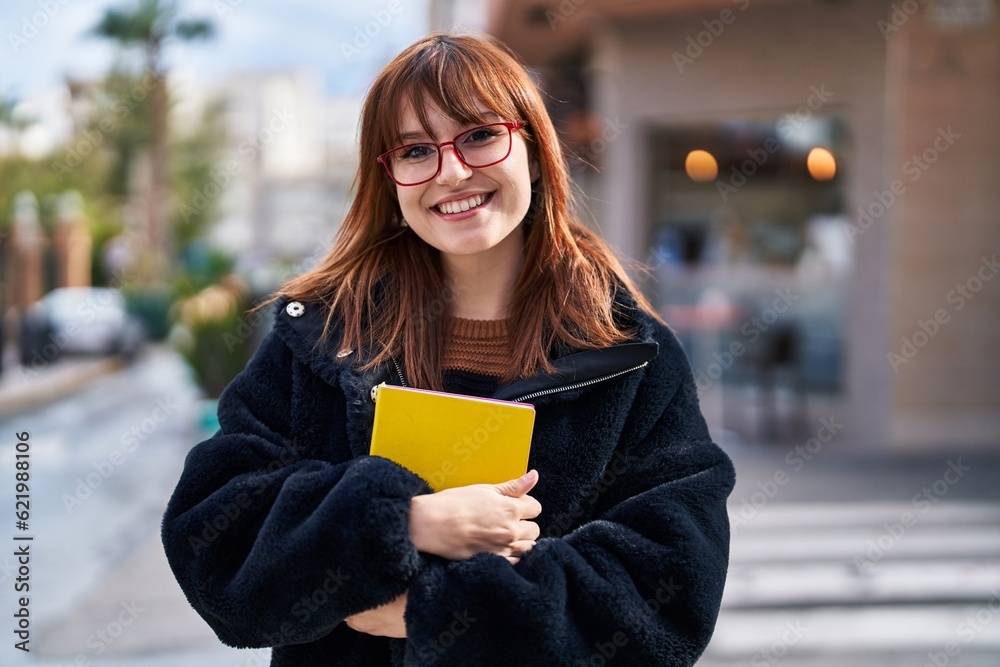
[452, 440]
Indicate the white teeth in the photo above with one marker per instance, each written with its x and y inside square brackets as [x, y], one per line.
[462, 205]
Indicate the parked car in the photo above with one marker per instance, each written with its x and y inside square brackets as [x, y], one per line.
[79, 320]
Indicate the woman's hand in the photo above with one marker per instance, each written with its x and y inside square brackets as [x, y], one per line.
[458, 523]
[455, 524]
[384, 621]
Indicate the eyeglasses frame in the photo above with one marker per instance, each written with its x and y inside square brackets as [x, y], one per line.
[510, 125]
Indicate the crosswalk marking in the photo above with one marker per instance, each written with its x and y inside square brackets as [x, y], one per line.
[857, 630]
[888, 582]
[836, 544]
[816, 584]
[859, 514]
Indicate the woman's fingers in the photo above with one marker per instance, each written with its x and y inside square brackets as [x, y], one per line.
[524, 533]
[533, 531]
[521, 547]
[518, 549]
[527, 507]
[516, 488]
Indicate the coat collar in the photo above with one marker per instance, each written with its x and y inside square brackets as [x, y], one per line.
[300, 324]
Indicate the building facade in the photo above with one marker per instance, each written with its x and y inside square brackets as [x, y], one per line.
[887, 267]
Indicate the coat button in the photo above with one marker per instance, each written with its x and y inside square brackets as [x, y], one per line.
[295, 309]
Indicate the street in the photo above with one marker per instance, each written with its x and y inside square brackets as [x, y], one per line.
[861, 559]
[101, 590]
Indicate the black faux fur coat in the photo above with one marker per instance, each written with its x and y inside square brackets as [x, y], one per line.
[281, 525]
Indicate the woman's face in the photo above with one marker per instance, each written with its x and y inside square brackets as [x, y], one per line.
[503, 189]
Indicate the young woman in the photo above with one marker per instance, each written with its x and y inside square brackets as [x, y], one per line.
[460, 267]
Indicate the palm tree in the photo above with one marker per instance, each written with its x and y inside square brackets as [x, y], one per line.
[7, 105]
[149, 25]
[15, 124]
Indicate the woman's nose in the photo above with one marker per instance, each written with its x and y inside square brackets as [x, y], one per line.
[453, 170]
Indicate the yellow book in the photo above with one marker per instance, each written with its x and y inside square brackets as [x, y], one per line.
[452, 440]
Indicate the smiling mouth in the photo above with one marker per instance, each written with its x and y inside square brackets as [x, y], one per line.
[462, 205]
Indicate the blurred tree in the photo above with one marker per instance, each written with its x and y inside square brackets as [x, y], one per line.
[149, 25]
[7, 105]
[198, 178]
[126, 138]
[14, 123]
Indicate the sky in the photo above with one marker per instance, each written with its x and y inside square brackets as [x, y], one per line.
[44, 41]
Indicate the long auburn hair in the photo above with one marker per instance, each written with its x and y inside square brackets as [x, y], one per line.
[386, 285]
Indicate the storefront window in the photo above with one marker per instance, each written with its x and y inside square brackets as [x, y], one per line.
[750, 259]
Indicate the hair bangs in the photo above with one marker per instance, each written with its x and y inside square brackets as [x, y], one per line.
[461, 83]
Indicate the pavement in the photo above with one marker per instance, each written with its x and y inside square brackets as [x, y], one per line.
[23, 388]
[102, 592]
[868, 558]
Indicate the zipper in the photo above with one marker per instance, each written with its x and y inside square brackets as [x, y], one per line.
[399, 371]
[577, 385]
[534, 394]
[402, 379]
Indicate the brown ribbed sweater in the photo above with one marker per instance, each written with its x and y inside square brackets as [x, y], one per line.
[476, 346]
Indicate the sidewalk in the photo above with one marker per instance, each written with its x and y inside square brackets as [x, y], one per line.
[24, 388]
[102, 589]
[162, 625]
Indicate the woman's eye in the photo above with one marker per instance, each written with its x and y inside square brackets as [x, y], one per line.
[416, 152]
[481, 135]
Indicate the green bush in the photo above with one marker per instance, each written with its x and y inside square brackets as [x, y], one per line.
[152, 307]
[214, 335]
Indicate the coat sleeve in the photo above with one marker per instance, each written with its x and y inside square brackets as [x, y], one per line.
[638, 585]
[271, 546]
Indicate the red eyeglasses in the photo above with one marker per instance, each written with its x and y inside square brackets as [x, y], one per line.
[481, 146]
